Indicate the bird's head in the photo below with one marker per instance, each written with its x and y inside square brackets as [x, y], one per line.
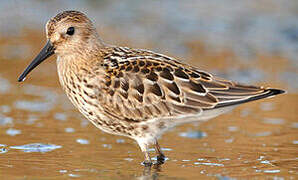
[69, 33]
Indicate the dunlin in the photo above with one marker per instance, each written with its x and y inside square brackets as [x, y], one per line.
[133, 92]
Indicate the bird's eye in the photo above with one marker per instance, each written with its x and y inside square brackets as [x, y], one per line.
[70, 31]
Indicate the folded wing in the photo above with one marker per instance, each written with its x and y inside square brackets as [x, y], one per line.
[153, 86]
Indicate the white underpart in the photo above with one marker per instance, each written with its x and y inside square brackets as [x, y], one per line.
[155, 132]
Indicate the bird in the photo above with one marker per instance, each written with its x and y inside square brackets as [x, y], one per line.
[135, 93]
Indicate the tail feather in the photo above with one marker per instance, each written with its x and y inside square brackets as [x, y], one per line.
[267, 93]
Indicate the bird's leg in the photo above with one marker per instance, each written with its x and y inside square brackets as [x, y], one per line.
[160, 156]
[144, 148]
[147, 161]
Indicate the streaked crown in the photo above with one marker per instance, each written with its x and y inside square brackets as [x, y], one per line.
[70, 31]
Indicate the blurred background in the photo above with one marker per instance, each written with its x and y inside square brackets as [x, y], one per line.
[212, 34]
[251, 41]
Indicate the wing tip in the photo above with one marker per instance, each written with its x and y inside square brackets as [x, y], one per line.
[270, 93]
[273, 92]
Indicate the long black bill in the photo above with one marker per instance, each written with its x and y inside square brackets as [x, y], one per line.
[46, 52]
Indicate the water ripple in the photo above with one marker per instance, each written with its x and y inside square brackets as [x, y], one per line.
[5, 86]
[60, 116]
[193, 134]
[13, 132]
[209, 164]
[69, 130]
[48, 101]
[273, 121]
[36, 147]
[82, 141]
[266, 106]
[4, 120]
[272, 171]
[5, 109]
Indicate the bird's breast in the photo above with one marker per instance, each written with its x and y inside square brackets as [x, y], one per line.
[80, 89]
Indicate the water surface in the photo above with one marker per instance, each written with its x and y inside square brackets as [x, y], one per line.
[44, 137]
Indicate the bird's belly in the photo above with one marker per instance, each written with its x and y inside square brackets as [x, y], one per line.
[92, 111]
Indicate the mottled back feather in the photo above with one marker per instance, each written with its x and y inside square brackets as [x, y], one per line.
[141, 85]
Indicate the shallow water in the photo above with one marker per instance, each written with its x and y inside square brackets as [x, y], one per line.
[44, 137]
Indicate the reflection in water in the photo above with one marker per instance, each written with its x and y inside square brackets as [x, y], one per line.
[151, 173]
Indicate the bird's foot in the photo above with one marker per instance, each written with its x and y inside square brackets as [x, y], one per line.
[161, 158]
[147, 163]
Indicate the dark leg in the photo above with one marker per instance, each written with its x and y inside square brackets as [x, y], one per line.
[160, 156]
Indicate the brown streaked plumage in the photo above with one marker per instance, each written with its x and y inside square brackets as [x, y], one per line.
[133, 92]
